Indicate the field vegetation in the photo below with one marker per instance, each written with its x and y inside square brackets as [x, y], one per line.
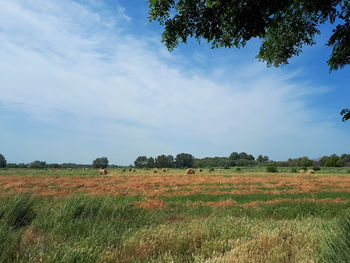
[60, 215]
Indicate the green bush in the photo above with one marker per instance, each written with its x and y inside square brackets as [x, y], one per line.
[271, 168]
[293, 170]
[238, 169]
[316, 168]
[211, 170]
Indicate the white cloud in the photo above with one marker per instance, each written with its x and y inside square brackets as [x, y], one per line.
[61, 58]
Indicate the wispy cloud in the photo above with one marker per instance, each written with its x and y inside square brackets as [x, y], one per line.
[64, 61]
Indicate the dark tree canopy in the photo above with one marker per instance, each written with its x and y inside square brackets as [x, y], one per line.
[100, 163]
[141, 162]
[184, 160]
[38, 165]
[3, 161]
[284, 26]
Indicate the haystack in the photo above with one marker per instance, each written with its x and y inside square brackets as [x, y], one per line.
[190, 171]
[310, 171]
[155, 171]
[220, 170]
[301, 171]
[103, 171]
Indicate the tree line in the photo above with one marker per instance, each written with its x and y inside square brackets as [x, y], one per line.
[186, 160]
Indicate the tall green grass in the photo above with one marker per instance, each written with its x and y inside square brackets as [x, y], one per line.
[336, 247]
[114, 229]
[15, 214]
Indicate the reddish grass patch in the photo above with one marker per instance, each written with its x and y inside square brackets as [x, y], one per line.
[159, 185]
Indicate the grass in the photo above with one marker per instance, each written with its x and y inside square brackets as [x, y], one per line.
[111, 229]
[84, 228]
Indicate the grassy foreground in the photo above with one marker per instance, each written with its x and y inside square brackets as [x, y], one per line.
[175, 228]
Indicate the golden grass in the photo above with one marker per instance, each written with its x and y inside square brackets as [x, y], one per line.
[174, 184]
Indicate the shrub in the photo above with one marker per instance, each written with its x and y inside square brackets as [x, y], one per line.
[293, 170]
[211, 169]
[238, 169]
[272, 167]
[316, 168]
[37, 165]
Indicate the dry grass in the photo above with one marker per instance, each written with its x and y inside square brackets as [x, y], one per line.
[159, 185]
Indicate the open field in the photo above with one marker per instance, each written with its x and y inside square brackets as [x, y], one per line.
[78, 216]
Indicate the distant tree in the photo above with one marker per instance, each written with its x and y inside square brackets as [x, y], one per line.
[305, 162]
[101, 163]
[170, 161]
[150, 162]
[262, 159]
[54, 165]
[330, 161]
[140, 162]
[184, 160]
[12, 165]
[344, 160]
[37, 165]
[244, 155]
[3, 161]
[163, 161]
[22, 165]
[234, 156]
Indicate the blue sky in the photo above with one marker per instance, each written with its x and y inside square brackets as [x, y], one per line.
[84, 79]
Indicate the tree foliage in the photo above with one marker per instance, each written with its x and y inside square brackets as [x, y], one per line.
[38, 165]
[3, 161]
[184, 160]
[346, 114]
[141, 162]
[284, 26]
[101, 163]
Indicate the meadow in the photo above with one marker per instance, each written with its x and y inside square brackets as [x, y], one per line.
[219, 216]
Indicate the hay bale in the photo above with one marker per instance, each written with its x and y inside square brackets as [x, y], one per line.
[301, 171]
[103, 171]
[190, 171]
[219, 170]
[155, 171]
[165, 170]
[310, 171]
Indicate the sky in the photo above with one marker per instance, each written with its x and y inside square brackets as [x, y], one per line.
[86, 79]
